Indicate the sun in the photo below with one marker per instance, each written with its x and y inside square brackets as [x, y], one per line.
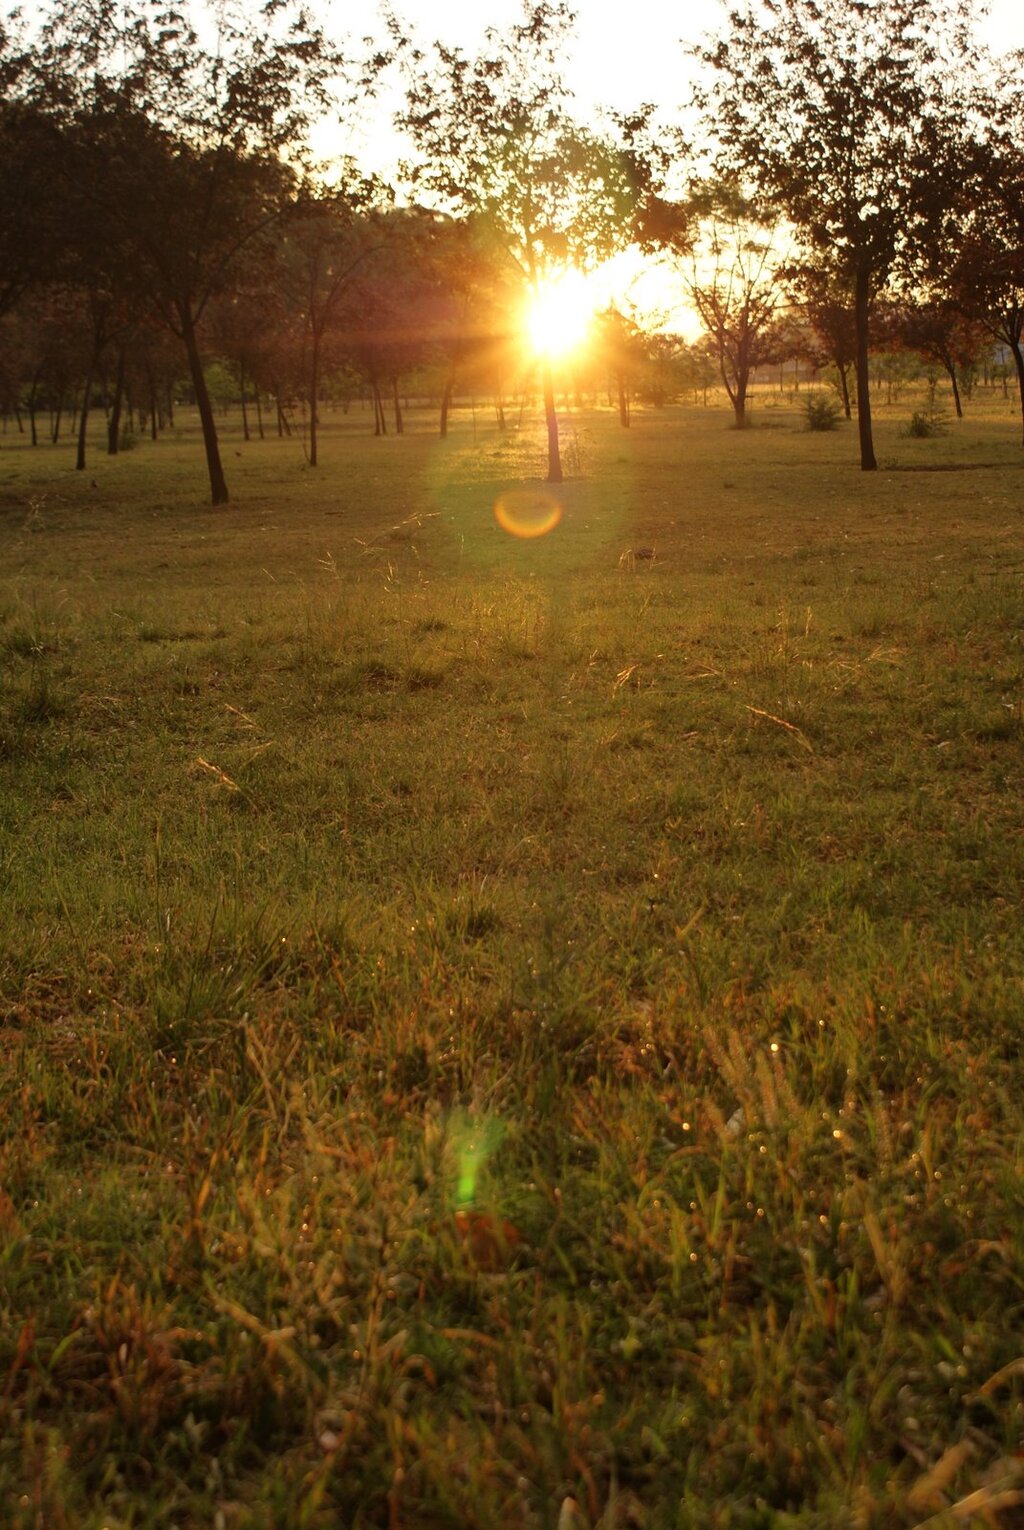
[559, 315]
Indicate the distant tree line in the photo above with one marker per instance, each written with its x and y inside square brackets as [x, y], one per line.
[859, 190]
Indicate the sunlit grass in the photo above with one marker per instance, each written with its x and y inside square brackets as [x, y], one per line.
[510, 1031]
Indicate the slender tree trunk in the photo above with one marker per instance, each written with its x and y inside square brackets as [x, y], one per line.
[83, 423]
[380, 424]
[623, 401]
[314, 389]
[218, 483]
[31, 406]
[58, 410]
[844, 388]
[954, 384]
[114, 422]
[446, 404]
[154, 422]
[551, 417]
[275, 389]
[259, 414]
[1018, 360]
[862, 295]
[737, 393]
[399, 422]
[245, 414]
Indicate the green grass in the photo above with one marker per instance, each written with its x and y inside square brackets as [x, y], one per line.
[506, 1032]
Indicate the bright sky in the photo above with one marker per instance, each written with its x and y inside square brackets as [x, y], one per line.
[625, 52]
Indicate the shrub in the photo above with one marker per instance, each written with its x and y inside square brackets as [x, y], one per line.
[821, 411]
[924, 423]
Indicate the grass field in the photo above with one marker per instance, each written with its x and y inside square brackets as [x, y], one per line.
[505, 1031]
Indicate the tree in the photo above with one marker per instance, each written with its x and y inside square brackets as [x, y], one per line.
[733, 288]
[495, 143]
[843, 116]
[31, 225]
[983, 273]
[470, 302]
[621, 346]
[179, 146]
[826, 307]
[329, 235]
[939, 333]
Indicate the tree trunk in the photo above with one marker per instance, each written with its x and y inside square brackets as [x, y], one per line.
[114, 422]
[31, 406]
[283, 428]
[380, 424]
[58, 410]
[399, 422]
[446, 404]
[623, 402]
[862, 294]
[844, 388]
[259, 414]
[83, 422]
[1018, 359]
[314, 389]
[218, 483]
[957, 405]
[554, 458]
[241, 388]
[737, 394]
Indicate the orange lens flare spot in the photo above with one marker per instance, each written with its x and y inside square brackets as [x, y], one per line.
[527, 513]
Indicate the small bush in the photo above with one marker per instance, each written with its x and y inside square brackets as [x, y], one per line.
[924, 423]
[821, 412]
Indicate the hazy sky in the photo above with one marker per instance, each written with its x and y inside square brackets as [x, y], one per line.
[625, 52]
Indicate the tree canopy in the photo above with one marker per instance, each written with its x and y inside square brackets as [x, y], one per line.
[843, 115]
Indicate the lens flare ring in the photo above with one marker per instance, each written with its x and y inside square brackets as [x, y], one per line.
[527, 512]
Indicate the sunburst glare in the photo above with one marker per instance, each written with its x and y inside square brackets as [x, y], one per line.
[559, 315]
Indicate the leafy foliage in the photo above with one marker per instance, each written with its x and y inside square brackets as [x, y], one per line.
[844, 116]
[821, 411]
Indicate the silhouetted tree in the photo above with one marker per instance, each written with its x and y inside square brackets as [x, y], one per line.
[938, 332]
[733, 288]
[825, 305]
[495, 141]
[983, 272]
[843, 115]
[328, 237]
[179, 145]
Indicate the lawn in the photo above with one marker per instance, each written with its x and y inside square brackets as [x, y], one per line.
[514, 1031]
